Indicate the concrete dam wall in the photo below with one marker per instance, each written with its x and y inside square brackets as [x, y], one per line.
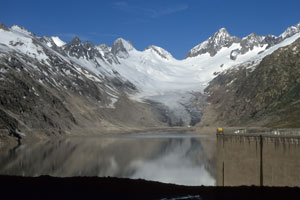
[252, 159]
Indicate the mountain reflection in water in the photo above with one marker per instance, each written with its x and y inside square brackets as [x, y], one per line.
[171, 158]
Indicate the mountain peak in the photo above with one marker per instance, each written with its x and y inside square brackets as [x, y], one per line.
[21, 29]
[160, 51]
[121, 47]
[220, 37]
[58, 41]
[120, 40]
[253, 38]
[246, 44]
[221, 34]
[3, 27]
[222, 30]
[214, 43]
[106, 53]
[104, 47]
[251, 35]
[88, 44]
[290, 31]
[126, 43]
[75, 40]
[81, 50]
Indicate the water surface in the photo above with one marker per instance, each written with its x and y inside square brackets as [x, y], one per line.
[184, 159]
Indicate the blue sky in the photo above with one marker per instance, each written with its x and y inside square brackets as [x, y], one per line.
[175, 25]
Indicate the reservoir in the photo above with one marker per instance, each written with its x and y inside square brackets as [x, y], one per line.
[184, 159]
[178, 158]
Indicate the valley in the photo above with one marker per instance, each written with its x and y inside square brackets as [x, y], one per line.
[50, 88]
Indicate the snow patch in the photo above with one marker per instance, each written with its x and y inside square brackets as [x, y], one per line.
[21, 30]
[58, 41]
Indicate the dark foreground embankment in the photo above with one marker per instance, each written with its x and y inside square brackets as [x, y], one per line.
[46, 187]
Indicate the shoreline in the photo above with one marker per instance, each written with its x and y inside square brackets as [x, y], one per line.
[8, 141]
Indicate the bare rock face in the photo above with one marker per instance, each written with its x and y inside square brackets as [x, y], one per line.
[223, 39]
[269, 95]
[82, 50]
[247, 44]
[106, 53]
[64, 101]
[121, 48]
[47, 92]
[3, 27]
[59, 89]
[220, 39]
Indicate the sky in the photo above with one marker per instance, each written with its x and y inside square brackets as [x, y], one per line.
[175, 25]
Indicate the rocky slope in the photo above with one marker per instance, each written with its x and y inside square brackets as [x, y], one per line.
[265, 95]
[223, 39]
[45, 91]
[49, 87]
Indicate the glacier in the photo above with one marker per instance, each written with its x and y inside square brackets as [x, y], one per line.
[173, 86]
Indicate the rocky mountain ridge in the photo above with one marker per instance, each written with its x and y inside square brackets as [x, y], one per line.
[46, 91]
[223, 39]
[56, 88]
[267, 95]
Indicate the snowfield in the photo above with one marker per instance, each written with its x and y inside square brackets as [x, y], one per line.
[153, 71]
[156, 74]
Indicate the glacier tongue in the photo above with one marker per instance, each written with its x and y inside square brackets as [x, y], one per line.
[172, 86]
[178, 108]
[167, 81]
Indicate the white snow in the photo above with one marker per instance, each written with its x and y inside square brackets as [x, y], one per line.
[154, 71]
[197, 48]
[295, 48]
[218, 37]
[155, 50]
[20, 30]
[154, 75]
[112, 104]
[2, 70]
[289, 31]
[58, 41]
[103, 48]
[126, 44]
[174, 166]
[23, 43]
[256, 59]
[49, 44]
[157, 75]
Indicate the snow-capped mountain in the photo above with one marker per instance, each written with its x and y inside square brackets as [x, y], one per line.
[216, 42]
[121, 48]
[154, 70]
[106, 53]
[21, 30]
[160, 51]
[223, 39]
[58, 41]
[62, 89]
[266, 95]
[172, 88]
[290, 31]
[81, 50]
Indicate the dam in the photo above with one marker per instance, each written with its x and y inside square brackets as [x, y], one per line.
[260, 159]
